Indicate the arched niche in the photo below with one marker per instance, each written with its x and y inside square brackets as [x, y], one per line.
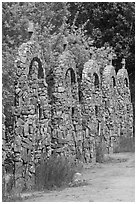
[113, 81]
[126, 82]
[71, 73]
[109, 78]
[70, 84]
[123, 80]
[80, 95]
[39, 72]
[36, 73]
[96, 110]
[96, 80]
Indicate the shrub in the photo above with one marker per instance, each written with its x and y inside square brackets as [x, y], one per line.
[100, 151]
[125, 144]
[56, 171]
[13, 196]
[9, 192]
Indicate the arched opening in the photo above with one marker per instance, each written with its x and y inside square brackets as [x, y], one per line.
[96, 110]
[40, 73]
[35, 73]
[80, 95]
[39, 111]
[126, 82]
[105, 104]
[96, 81]
[70, 84]
[72, 111]
[72, 75]
[113, 81]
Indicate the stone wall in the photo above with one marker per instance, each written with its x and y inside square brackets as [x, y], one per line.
[3, 136]
[66, 112]
[91, 107]
[32, 110]
[125, 109]
[65, 123]
[109, 91]
[3, 152]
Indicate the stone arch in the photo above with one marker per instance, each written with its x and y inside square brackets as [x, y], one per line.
[71, 84]
[126, 114]
[66, 115]
[109, 90]
[35, 75]
[91, 82]
[123, 83]
[122, 77]
[40, 68]
[91, 73]
[109, 77]
[32, 113]
[72, 75]
[91, 104]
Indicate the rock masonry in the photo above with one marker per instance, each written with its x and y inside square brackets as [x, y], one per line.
[65, 123]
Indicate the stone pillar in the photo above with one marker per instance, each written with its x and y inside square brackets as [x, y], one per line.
[3, 154]
[31, 111]
[91, 108]
[109, 90]
[66, 116]
[125, 107]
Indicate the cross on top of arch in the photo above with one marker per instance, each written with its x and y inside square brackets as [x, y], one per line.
[123, 63]
[110, 58]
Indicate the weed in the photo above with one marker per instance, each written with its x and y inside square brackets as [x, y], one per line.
[125, 144]
[100, 151]
[56, 171]
[12, 196]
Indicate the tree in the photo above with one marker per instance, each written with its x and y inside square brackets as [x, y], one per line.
[112, 23]
[109, 22]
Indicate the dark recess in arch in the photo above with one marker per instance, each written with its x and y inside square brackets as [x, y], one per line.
[80, 95]
[96, 110]
[126, 82]
[72, 75]
[73, 110]
[114, 81]
[96, 82]
[40, 69]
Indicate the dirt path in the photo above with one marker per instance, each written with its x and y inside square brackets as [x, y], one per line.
[112, 181]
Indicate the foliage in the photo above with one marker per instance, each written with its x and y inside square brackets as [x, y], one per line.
[112, 23]
[56, 171]
[125, 145]
[109, 22]
[12, 195]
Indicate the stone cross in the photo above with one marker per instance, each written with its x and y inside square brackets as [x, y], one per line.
[110, 58]
[123, 63]
[31, 29]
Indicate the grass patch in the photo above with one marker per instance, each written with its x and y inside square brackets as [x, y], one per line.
[100, 152]
[113, 159]
[12, 196]
[125, 144]
[55, 172]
